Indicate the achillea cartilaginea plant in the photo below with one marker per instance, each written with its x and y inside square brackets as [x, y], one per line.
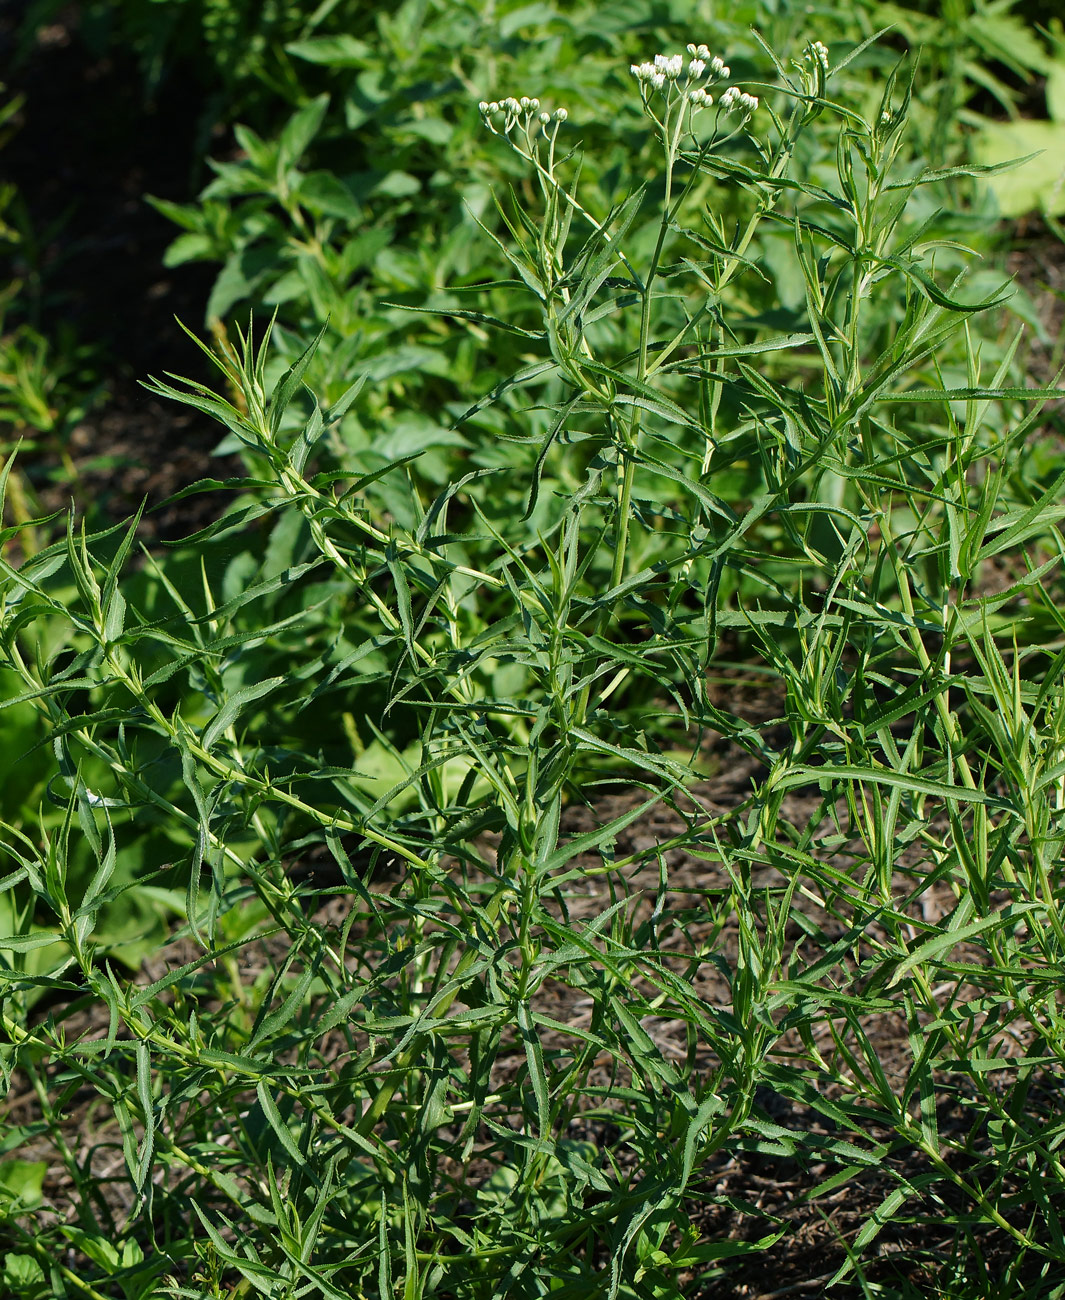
[505, 1053]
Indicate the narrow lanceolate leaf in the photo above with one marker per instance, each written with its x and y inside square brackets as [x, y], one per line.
[273, 1023]
[276, 1122]
[28, 942]
[972, 395]
[144, 1098]
[534, 1056]
[915, 272]
[944, 940]
[1017, 527]
[475, 317]
[290, 382]
[234, 706]
[778, 343]
[802, 775]
[879, 1219]
[595, 839]
[143, 995]
[521, 377]
[697, 1125]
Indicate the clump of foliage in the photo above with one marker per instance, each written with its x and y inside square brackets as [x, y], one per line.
[351, 174]
[339, 736]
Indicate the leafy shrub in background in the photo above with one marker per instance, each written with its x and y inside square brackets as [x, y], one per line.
[406, 673]
[374, 191]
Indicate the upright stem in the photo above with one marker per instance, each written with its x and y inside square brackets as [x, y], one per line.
[631, 435]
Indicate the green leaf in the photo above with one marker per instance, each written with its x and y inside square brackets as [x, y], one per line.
[274, 1119]
[23, 1181]
[342, 51]
[234, 705]
[802, 775]
[21, 1273]
[144, 1097]
[290, 382]
[534, 1056]
[949, 938]
[300, 130]
[1037, 182]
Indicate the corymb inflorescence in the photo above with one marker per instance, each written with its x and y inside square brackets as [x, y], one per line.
[690, 83]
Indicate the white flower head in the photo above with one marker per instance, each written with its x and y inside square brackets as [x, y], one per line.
[738, 101]
[669, 65]
[696, 69]
[523, 112]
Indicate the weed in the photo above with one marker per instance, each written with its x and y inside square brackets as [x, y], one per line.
[426, 1033]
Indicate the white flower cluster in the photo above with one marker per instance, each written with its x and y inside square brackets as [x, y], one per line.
[702, 71]
[665, 68]
[668, 67]
[525, 110]
[738, 101]
[819, 51]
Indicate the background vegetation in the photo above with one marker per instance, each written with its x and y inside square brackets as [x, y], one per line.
[581, 813]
